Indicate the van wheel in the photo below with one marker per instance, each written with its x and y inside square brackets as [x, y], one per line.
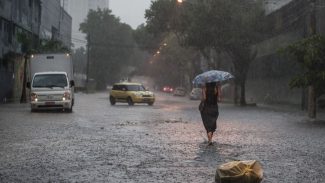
[67, 110]
[130, 102]
[112, 100]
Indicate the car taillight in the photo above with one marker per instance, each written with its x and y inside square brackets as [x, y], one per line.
[33, 97]
[66, 96]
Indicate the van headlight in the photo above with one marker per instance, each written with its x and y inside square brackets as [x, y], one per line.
[66, 96]
[33, 97]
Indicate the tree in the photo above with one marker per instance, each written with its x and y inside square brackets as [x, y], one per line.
[79, 58]
[111, 46]
[310, 54]
[52, 45]
[179, 62]
[174, 65]
[220, 25]
[146, 40]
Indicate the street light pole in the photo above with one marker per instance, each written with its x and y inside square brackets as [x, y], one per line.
[311, 88]
[88, 56]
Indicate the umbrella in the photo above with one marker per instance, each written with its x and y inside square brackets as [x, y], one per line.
[212, 76]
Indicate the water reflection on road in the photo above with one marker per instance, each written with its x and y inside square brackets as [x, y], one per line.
[161, 143]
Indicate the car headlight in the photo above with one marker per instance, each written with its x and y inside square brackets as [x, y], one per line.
[33, 97]
[66, 96]
[138, 94]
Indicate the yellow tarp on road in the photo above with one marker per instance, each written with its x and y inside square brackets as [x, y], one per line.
[240, 172]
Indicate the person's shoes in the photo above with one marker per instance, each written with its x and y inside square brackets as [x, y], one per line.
[210, 143]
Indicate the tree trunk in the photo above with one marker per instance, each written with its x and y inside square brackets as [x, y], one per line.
[235, 93]
[243, 92]
[311, 102]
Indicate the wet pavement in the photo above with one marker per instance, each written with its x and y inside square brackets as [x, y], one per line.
[161, 143]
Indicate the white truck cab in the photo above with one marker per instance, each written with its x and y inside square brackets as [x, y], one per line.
[51, 82]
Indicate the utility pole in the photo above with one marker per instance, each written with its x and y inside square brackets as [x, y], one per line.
[311, 88]
[88, 56]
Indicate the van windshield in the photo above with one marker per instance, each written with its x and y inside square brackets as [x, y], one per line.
[50, 81]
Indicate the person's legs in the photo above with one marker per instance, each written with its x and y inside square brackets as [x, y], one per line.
[210, 134]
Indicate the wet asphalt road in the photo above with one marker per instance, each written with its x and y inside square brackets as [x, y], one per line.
[161, 143]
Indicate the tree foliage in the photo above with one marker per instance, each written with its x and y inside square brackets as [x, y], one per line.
[30, 45]
[174, 64]
[146, 40]
[310, 54]
[52, 46]
[230, 26]
[79, 58]
[111, 46]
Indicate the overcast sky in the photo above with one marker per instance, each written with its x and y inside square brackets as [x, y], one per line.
[130, 11]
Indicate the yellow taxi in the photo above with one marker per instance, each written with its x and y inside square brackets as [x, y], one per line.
[131, 93]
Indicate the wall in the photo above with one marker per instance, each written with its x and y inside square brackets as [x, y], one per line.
[270, 73]
[65, 28]
[55, 22]
[16, 17]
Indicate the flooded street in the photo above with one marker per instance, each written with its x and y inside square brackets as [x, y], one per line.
[161, 143]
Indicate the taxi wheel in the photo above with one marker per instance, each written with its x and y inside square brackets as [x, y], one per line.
[130, 102]
[150, 103]
[112, 100]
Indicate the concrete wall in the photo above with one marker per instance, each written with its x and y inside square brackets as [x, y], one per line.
[50, 20]
[17, 16]
[65, 28]
[55, 22]
[11, 78]
[270, 74]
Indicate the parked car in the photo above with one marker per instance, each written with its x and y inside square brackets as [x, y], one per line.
[131, 93]
[179, 91]
[168, 89]
[196, 94]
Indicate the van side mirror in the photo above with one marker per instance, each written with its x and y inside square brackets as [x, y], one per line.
[72, 83]
[28, 85]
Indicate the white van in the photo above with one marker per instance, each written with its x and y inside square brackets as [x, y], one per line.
[51, 82]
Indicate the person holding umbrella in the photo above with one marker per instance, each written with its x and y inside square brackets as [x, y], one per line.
[209, 108]
[211, 92]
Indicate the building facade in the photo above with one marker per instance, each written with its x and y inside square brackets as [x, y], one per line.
[16, 17]
[56, 23]
[270, 73]
[22, 24]
[19, 20]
